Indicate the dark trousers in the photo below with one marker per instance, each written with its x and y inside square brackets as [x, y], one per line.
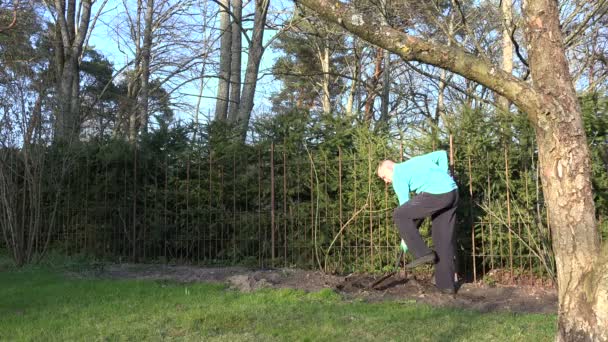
[442, 210]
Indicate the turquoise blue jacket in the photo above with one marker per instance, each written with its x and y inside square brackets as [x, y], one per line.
[425, 173]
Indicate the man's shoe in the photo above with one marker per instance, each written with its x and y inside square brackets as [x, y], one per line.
[425, 259]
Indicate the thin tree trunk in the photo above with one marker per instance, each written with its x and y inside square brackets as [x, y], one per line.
[235, 69]
[223, 87]
[372, 89]
[443, 78]
[507, 46]
[256, 50]
[324, 59]
[198, 103]
[130, 108]
[386, 78]
[386, 87]
[146, 52]
[440, 109]
[350, 102]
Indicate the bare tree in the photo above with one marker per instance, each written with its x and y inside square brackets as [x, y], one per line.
[27, 210]
[72, 28]
[162, 55]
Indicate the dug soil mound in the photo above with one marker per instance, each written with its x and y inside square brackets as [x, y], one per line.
[398, 287]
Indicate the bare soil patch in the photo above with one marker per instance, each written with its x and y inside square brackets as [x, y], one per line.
[400, 287]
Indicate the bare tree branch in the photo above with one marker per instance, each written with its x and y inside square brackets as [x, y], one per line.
[411, 48]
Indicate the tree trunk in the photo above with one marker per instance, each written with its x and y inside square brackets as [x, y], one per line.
[134, 108]
[386, 88]
[350, 102]
[256, 50]
[372, 91]
[440, 109]
[146, 52]
[506, 7]
[565, 174]
[440, 113]
[65, 122]
[386, 78]
[324, 59]
[71, 33]
[129, 107]
[223, 86]
[235, 69]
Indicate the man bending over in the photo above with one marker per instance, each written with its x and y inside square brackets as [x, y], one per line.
[436, 197]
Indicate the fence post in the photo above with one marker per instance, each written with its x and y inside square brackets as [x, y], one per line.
[340, 202]
[509, 212]
[165, 204]
[187, 226]
[356, 221]
[489, 189]
[260, 244]
[312, 210]
[124, 233]
[528, 206]
[178, 242]
[272, 202]
[86, 206]
[471, 219]
[234, 226]
[134, 242]
[284, 205]
[371, 207]
[145, 225]
[105, 209]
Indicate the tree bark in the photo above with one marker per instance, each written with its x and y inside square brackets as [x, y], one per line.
[223, 86]
[552, 107]
[235, 69]
[256, 50]
[372, 89]
[386, 70]
[565, 174]
[506, 7]
[146, 53]
[386, 89]
[128, 108]
[350, 102]
[134, 109]
[71, 33]
[323, 53]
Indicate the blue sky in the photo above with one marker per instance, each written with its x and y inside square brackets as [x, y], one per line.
[104, 40]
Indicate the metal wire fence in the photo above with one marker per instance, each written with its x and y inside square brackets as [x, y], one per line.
[273, 207]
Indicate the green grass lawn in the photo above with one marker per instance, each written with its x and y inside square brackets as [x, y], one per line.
[40, 303]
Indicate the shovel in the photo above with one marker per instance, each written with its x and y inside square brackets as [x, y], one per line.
[375, 284]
